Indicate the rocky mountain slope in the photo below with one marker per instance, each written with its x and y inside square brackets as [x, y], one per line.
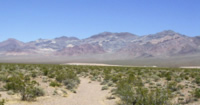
[163, 44]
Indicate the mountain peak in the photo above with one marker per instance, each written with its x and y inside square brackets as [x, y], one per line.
[168, 32]
[12, 40]
[164, 33]
[107, 34]
[103, 34]
[66, 38]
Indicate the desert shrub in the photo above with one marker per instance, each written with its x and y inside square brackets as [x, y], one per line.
[142, 96]
[63, 75]
[158, 84]
[168, 77]
[10, 93]
[197, 93]
[60, 77]
[23, 85]
[181, 98]
[186, 77]
[125, 93]
[2, 102]
[115, 79]
[107, 77]
[68, 78]
[131, 92]
[197, 80]
[178, 79]
[45, 71]
[110, 84]
[110, 97]
[94, 78]
[54, 84]
[71, 83]
[51, 75]
[38, 91]
[183, 75]
[30, 93]
[172, 86]
[44, 79]
[180, 87]
[3, 77]
[104, 88]
[104, 82]
[156, 78]
[193, 75]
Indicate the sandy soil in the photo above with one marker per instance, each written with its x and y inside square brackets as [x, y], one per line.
[87, 94]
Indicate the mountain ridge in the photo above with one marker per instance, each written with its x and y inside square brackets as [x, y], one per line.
[166, 43]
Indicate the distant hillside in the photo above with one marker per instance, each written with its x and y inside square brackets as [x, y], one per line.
[106, 46]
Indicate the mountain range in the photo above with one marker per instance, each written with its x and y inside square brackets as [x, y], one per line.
[107, 45]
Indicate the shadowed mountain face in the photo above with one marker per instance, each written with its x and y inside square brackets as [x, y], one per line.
[117, 45]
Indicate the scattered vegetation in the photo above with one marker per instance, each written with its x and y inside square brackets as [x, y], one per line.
[23, 84]
[133, 85]
[54, 84]
[197, 93]
[2, 102]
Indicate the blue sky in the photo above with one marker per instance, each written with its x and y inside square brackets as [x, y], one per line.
[28, 20]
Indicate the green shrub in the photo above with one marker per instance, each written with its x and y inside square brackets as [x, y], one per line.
[178, 79]
[110, 84]
[10, 93]
[23, 85]
[142, 96]
[197, 93]
[70, 83]
[168, 78]
[61, 77]
[2, 102]
[104, 82]
[34, 74]
[3, 77]
[51, 75]
[39, 91]
[54, 84]
[104, 88]
[197, 80]
[45, 71]
[172, 86]
[186, 77]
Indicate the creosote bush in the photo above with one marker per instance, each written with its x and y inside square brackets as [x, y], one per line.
[197, 93]
[104, 88]
[71, 83]
[54, 84]
[22, 84]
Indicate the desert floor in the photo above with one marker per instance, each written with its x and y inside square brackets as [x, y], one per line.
[88, 93]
